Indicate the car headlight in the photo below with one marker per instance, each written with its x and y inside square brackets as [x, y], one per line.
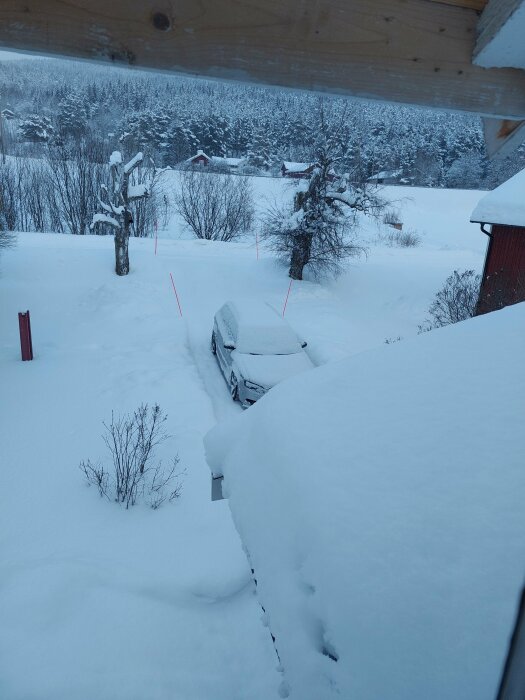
[255, 387]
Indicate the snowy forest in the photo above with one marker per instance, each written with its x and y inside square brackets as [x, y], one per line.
[62, 120]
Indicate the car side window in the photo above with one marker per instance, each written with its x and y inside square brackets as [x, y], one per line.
[224, 322]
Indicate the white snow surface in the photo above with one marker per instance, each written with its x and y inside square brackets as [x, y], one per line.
[130, 165]
[292, 167]
[262, 331]
[115, 158]
[269, 370]
[503, 205]
[137, 191]
[380, 500]
[104, 219]
[96, 602]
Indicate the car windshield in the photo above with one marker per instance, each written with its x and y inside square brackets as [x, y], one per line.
[270, 340]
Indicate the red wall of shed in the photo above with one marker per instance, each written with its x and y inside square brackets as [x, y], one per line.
[503, 281]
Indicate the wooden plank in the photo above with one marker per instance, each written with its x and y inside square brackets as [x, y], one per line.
[410, 51]
[502, 137]
[496, 44]
[470, 4]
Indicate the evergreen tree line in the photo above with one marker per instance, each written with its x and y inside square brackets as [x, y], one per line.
[48, 104]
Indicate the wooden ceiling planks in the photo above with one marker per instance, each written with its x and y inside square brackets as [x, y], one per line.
[408, 51]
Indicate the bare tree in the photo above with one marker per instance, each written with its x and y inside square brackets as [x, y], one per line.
[115, 201]
[319, 230]
[131, 441]
[455, 301]
[217, 207]
[75, 174]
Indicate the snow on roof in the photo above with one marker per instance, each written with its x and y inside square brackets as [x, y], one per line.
[381, 508]
[199, 153]
[231, 162]
[296, 167]
[504, 205]
[384, 174]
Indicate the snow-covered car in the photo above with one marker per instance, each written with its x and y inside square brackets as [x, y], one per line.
[255, 349]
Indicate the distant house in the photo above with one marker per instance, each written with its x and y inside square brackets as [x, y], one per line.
[297, 170]
[385, 177]
[302, 171]
[203, 159]
[199, 159]
[503, 277]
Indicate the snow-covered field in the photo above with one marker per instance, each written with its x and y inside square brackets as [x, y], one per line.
[99, 602]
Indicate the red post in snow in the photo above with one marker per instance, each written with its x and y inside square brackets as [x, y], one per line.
[288, 294]
[176, 295]
[26, 343]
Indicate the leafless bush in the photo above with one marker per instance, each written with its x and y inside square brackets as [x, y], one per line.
[147, 210]
[134, 474]
[391, 341]
[455, 301]
[400, 239]
[74, 174]
[391, 217]
[217, 207]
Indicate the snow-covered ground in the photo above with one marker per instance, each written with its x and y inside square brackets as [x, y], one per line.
[99, 602]
[380, 500]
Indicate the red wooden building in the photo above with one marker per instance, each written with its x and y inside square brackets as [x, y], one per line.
[501, 214]
[199, 159]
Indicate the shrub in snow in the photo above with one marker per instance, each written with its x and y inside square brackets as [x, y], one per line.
[391, 341]
[455, 301]
[391, 217]
[215, 207]
[401, 239]
[134, 474]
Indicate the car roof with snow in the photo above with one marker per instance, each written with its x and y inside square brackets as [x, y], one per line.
[261, 330]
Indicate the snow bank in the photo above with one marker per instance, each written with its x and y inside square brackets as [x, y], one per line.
[504, 205]
[380, 499]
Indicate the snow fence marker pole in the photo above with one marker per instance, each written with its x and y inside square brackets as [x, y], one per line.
[287, 295]
[156, 228]
[176, 295]
[257, 244]
[26, 342]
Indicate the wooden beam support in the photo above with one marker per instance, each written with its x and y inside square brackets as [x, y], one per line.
[409, 51]
[501, 29]
[503, 136]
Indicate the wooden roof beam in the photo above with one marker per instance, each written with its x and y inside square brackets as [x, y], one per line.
[408, 51]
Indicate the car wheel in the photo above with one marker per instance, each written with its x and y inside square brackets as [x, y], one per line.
[234, 387]
[213, 344]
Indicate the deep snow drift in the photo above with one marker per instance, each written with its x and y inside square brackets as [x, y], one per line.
[380, 500]
[96, 602]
